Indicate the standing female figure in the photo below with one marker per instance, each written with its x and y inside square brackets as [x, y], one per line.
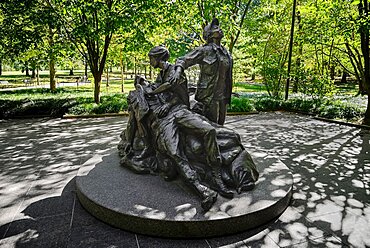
[215, 81]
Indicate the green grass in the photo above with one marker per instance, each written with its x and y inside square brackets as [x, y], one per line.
[79, 100]
[249, 87]
[349, 88]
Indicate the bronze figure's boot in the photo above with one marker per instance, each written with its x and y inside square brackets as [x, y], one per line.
[220, 187]
[208, 196]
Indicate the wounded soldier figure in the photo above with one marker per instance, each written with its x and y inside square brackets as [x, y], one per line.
[164, 137]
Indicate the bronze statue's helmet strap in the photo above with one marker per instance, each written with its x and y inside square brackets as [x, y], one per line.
[207, 32]
[160, 52]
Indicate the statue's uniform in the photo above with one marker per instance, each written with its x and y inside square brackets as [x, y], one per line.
[215, 81]
[166, 128]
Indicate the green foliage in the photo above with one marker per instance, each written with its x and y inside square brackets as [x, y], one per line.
[267, 104]
[325, 107]
[42, 102]
[109, 104]
[327, 40]
[45, 107]
[240, 104]
[273, 75]
[248, 87]
[339, 110]
[305, 105]
[312, 84]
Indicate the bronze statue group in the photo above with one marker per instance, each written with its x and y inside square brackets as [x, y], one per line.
[164, 136]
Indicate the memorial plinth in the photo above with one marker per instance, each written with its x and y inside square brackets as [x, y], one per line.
[149, 205]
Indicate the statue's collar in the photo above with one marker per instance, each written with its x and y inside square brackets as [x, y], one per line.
[220, 48]
[165, 66]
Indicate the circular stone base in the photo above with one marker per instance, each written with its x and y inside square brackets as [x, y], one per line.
[149, 205]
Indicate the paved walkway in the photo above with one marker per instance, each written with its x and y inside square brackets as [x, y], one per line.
[46, 86]
[39, 159]
[26, 87]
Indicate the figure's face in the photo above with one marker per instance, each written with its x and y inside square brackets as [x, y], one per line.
[153, 62]
[217, 32]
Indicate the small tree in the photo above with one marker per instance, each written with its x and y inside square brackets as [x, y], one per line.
[90, 26]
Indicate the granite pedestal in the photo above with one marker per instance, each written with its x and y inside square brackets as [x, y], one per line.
[149, 205]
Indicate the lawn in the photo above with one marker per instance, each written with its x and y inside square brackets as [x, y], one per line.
[72, 98]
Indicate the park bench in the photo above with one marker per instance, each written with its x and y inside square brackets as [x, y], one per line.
[73, 80]
[29, 82]
[83, 79]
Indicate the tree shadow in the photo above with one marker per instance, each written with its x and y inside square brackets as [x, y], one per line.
[330, 165]
[44, 223]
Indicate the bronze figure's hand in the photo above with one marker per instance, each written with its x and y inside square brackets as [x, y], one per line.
[175, 78]
[163, 110]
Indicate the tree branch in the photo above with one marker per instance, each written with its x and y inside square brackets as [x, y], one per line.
[240, 25]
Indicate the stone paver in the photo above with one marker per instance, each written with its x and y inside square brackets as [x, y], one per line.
[39, 159]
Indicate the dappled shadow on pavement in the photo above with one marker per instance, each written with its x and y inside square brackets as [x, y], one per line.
[39, 156]
[330, 164]
[60, 221]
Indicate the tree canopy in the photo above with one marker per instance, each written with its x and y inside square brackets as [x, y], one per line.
[331, 38]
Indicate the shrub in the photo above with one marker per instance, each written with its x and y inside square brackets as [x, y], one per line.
[54, 107]
[306, 105]
[83, 108]
[109, 104]
[240, 104]
[43, 102]
[338, 109]
[268, 104]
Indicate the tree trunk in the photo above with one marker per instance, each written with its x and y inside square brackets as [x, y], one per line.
[97, 83]
[122, 71]
[38, 75]
[344, 78]
[107, 85]
[290, 49]
[298, 66]
[367, 113]
[364, 34]
[1, 67]
[52, 74]
[71, 72]
[332, 72]
[361, 87]
[299, 56]
[33, 73]
[85, 61]
[135, 66]
[27, 71]
[51, 60]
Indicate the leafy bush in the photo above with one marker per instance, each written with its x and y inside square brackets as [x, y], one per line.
[240, 104]
[324, 107]
[28, 107]
[43, 102]
[83, 108]
[312, 84]
[273, 74]
[267, 104]
[337, 109]
[306, 105]
[109, 104]
[36, 102]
